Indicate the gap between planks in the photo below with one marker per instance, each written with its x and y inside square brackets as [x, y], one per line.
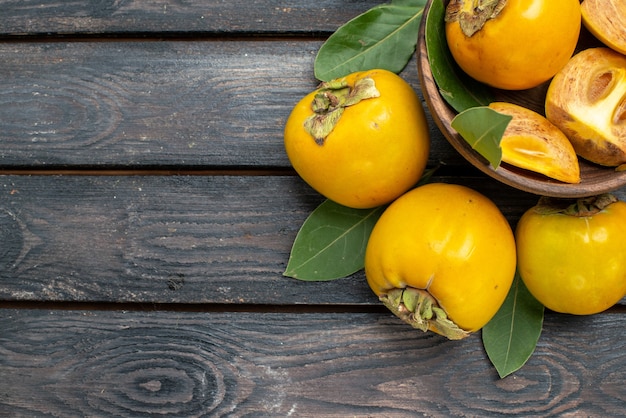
[192, 307]
[218, 307]
[174, 36]
[440, 171]
[161, 171]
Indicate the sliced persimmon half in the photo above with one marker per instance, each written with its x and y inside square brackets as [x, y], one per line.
[606, 20]
[532, 142]
[586, 100]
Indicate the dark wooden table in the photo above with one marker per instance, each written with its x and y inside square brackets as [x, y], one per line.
[147, 211]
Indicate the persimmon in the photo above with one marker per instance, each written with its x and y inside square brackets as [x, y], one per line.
[512, 44]
[532, 142]
[571, 254]
[442, 258]
[587, 101]
[361, 140]
[606, 20]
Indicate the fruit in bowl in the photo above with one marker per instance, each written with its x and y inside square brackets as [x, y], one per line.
[449, 91]
[587, 101]
[512, 44]
[606, 20]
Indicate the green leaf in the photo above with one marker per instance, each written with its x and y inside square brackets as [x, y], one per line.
[383, 37]
[331, 243]
[455, 86]
[511, 336]
[482, 128]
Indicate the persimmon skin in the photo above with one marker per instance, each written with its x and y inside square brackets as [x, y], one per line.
[449, 240]
[574, 265]
[523, 47]
[377, 150]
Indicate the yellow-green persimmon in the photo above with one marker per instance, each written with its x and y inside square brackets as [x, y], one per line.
[572, 257]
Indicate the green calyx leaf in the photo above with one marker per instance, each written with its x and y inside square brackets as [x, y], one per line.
[458, 89]
[383, 37]
[419, 309]
[482, 128]
[581, 207]
[511, 336]
[331, 100]
[331, 243]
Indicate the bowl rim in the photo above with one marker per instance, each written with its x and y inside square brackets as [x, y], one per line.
[520, 179]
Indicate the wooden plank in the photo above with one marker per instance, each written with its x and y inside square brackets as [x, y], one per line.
[171, 239]
[95, 363]
[167, 104]
[163, 17]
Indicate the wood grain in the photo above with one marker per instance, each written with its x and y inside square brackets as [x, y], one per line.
[312, 365]
[128, 289]
[224, 239]
[191, 105]
[594, 179]
[138, 17]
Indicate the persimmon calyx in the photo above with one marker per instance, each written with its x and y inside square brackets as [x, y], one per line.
[582, 207]
[419, 309]
[331, 100]
[473, 14]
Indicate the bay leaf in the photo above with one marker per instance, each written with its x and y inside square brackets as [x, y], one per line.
[482, 128]
[383, 37]
[331, 242]
[458, 89]
[510, 338]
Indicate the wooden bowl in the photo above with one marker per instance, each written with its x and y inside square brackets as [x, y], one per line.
[595, 179]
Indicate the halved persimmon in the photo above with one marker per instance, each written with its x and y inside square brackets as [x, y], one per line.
[606, 20]
[533, 143]
[586, 100]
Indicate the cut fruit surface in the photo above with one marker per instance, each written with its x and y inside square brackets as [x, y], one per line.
[606, 20]
[587, 101]
[531, 142]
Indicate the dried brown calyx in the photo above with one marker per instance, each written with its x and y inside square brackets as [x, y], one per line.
[419, 309]
[473, 14]
[582, 207]
[330, 101]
